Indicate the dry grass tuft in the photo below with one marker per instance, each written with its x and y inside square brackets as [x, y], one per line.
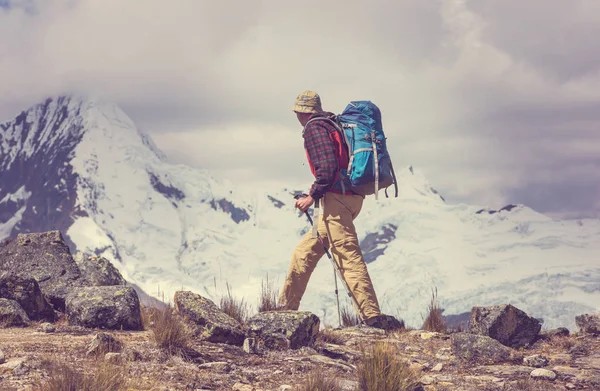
[104, 377]
[563, 343]
[380, 368]
[169, 331]
[319, 381]
[233, 307]
[349, 317]
[267, 300]
[434, 320]
[329, 336]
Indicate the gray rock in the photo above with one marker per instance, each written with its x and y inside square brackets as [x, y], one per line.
[12, 315]
[544, 374]
[250, 346]
[47, 328]
[438, 367]
[210, 323]
[17, 366]
[26, 291]
[98, 271]
[46, 257]
[105, 307]
[281, 330]
[285, 387]
[104, 343]
[507, 324]
[480, 349]
[2, 357]
[588, 324]
[536, 360]
[504, 370]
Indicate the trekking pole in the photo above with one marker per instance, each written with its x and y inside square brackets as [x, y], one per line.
[336, 269]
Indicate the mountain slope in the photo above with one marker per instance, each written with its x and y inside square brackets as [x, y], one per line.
[82, 166]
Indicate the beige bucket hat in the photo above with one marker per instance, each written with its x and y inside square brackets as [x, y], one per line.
[308, 102]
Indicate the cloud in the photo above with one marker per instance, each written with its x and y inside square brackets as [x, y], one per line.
[492, 100]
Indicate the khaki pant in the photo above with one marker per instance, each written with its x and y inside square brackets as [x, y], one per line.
[336, 226]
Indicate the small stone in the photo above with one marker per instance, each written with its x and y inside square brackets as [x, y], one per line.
[285, 387]
[429, 335]
[537, 361]
[218, 366]
[250, 346]
[438, 367]
[2, 357]
[104, 343]
[113, 357]
[544, 374]
[47, 328]
[570, 386]
[427, 380]
[16, 366]
[242, 387]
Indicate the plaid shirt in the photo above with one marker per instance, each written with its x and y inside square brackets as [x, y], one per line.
[322, 154]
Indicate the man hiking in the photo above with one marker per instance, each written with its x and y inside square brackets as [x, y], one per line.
[326, 153]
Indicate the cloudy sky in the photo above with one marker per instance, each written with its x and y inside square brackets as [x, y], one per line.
[495, 101]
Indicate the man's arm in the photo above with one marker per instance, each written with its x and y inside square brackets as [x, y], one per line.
[321, 153]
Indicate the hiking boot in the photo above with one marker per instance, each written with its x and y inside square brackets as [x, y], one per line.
[385, 322]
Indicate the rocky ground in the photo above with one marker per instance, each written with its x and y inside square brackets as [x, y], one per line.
[565, 362]
[74, 324]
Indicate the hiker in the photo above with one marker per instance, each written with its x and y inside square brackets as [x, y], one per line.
[326, 153]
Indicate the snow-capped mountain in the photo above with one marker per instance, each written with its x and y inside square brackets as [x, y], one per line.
[82, 166]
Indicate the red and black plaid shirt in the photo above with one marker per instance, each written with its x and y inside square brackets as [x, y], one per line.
[324, 151]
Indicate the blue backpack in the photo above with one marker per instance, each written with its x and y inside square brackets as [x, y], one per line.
[370, 167]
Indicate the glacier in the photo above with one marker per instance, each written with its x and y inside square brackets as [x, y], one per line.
[168, 227]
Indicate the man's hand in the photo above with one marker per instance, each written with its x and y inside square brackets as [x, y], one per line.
[304, 203]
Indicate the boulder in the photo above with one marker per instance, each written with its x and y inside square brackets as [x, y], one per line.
[480, 349]
[209, 322]
[12, 315]
[588, 324]
[104, 307]
[280, 330]
[507, 324]
[46, 257]
[98, 271]
[26, 291]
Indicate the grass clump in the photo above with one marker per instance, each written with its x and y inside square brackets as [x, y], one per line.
[104, 377]
[169, 332]
[327, 335]
[380, 368]
[434, 320]
[319, 381]
[233, 307]
[349, 317]
[267, 300]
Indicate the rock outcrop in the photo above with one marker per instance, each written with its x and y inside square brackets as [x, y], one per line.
[588, 324]
[104, 307]
[98, 271]
[507, 324]
[26, 291]
[46, 257]
[12, 315]
[281, 330]
[207, 320]
[481, 349]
